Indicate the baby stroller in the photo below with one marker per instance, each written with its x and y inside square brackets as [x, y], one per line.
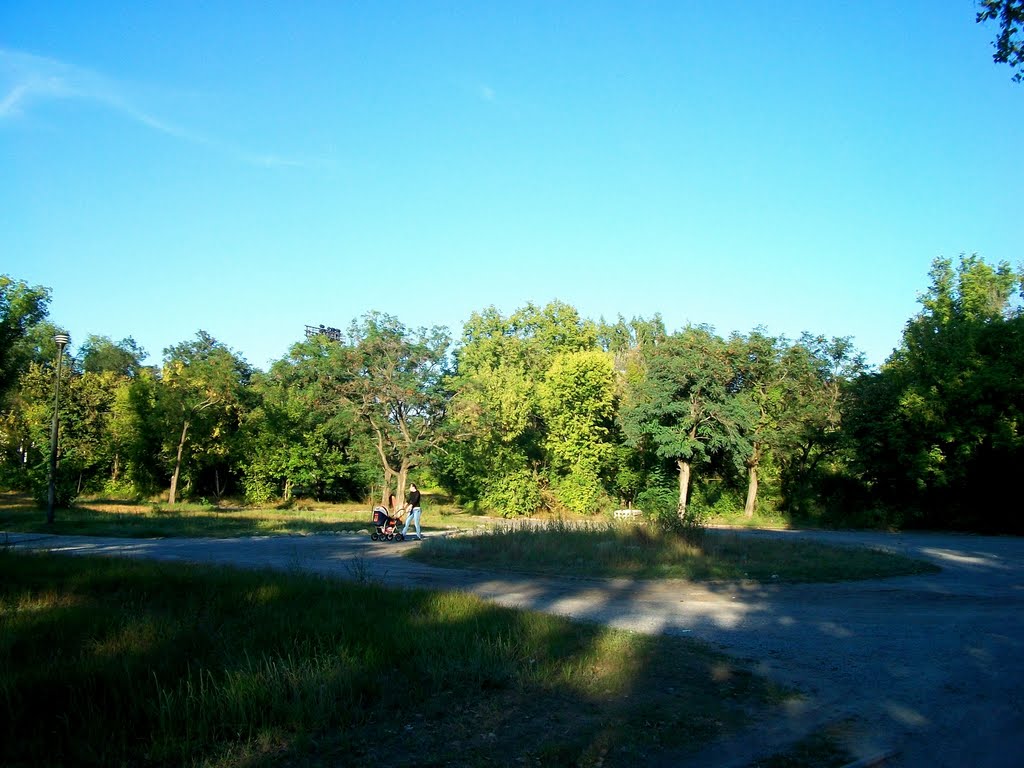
[386, 526]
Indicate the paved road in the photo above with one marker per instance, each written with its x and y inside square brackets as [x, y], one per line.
[931, 667]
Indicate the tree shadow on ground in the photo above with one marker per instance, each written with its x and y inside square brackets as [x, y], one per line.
[110, 661]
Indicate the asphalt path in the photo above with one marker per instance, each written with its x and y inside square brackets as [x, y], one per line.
[927, 670]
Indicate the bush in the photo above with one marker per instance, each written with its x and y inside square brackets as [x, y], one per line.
[581, 493]
[661, 505]
[713, 498]
[258, 490]
[65, 484]
[514, 494]
[121, 488]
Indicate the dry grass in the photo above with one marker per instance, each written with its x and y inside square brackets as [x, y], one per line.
[112, 517]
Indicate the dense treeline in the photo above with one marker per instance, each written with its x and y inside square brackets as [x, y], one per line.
[544, 409]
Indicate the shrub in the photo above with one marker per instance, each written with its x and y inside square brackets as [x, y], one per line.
[580, 492]
[65, 484]
[514, 494]
[258, 490]
[661, 505]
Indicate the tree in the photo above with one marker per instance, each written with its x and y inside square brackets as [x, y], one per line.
[941, 423]
[577, 400]
[99, 354]
[762, 381]
[622, 337]
[396, 387]
[85, 446]
[1009, 14]
[22, 307]
[299, 437]
[820, 372]
[201, 387]
[688, 406]
[497, 452]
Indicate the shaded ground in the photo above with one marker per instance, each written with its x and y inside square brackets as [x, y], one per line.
[929, 666]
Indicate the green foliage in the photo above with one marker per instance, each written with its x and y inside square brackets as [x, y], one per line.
[65, 484]
[514, 494]
[22, 308]
[545, 409]
[299, 436]
[513, 404]
[577, 399]
[200, 401]
[1009, 14]
[622, 338]
[101, 355]
[580, 492]
[397, 387]
[943, 419]
[661, 506]
[689, 406]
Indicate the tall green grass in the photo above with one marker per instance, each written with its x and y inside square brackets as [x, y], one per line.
[640, 551]
[124, 663]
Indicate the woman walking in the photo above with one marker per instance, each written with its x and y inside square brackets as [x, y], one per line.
[413, 505]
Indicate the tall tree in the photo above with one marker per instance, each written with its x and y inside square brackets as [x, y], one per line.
[762, 379]
[820, 372]
[397, 388]
[498, 453]
[577, 399]
[689, 405]
[22, 307]
[201, 390]
[99, 354]
[942, 420]
[299, 437]
[534, 398]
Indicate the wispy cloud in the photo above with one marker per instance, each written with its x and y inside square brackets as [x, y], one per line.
[27, 80]
[487, 93]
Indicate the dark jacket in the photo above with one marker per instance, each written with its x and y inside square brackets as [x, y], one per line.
[414, 499]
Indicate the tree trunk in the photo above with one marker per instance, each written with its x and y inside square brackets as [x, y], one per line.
[116, 472]
[177, 464]
[748, 509]
[752, 464]
[389, 475]
[684, 485]
[403, 475]
[287, 490]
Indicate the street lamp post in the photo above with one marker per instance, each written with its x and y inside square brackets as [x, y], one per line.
[62, 340]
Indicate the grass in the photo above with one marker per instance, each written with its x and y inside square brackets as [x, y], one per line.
[107, 517]
[627, 550]
[116, 662]
[823, 749]
[554, 547]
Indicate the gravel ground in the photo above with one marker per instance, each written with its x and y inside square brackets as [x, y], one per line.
[928, 669]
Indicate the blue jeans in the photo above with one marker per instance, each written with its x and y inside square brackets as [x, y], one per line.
[414, 517]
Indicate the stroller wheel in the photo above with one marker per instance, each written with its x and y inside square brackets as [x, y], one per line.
[374, 536]
[399, 537]
[391, 537]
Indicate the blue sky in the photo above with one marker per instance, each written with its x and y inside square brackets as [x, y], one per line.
[250, 168]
